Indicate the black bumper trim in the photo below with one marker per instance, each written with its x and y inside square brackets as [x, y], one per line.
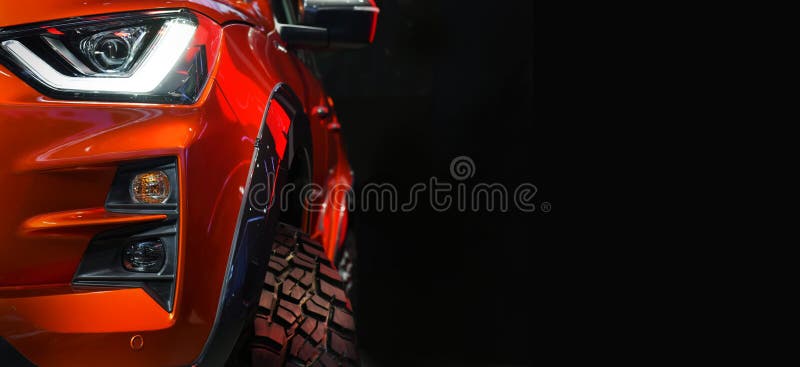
[11, 357]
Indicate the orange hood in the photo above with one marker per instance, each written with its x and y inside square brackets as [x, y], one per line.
[22, 12]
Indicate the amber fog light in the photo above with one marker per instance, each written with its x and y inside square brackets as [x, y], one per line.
[150, 188]
[144, 256]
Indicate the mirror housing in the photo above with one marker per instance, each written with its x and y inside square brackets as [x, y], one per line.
[328, 23]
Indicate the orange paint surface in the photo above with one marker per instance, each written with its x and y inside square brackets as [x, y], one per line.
[58, 158]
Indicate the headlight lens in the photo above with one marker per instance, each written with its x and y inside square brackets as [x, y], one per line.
[157, 56]
[113, 51]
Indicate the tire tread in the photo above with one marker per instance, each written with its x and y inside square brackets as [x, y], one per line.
[304, 317]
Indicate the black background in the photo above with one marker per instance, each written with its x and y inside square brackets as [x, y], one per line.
[445, 79]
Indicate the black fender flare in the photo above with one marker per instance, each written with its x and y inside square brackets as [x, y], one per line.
[255, 229]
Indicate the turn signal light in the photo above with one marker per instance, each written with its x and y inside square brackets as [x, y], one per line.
[150, 188]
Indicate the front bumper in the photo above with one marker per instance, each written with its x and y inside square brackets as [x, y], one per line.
[57, 163]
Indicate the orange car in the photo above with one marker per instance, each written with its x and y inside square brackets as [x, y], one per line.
[155, 164]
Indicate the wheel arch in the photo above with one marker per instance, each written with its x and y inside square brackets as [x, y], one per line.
[275, 152]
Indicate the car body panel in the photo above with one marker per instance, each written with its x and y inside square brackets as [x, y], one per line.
[58, 159]
[15, 13]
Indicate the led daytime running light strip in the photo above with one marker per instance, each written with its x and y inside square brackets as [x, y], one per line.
[167, 48]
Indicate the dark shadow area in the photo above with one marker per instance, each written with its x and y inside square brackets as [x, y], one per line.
[446, 79]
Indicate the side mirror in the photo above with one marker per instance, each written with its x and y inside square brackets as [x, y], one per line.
[326, 23]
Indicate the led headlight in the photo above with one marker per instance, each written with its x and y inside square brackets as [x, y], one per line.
[158, 56]
[113, 51]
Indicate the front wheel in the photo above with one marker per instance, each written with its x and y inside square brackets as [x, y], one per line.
[304, 316]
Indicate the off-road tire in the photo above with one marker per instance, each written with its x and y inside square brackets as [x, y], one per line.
[304, 316]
